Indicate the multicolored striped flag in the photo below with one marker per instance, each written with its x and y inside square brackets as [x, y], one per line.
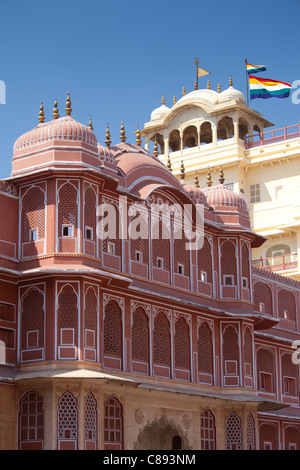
[267, 88]
[255, 68]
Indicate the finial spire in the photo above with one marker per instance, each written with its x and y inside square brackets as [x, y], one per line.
[182, 171]
[122, 135]
[41, 113]
[219, 88]
[163, 100]
[196, 85]
[90, 124]
[68, 105]
[221, 176]
[174, 100]
[138, 137]
[208, 180]
[197, 180]
[107, 135]
[183, 91]
[230, 81]
[208, 84]
[155, 148]
[55, 110]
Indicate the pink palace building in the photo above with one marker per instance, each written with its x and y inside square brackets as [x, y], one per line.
[114, 341]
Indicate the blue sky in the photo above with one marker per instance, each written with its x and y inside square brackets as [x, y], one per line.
[119, 57]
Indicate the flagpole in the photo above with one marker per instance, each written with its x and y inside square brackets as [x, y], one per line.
[247, 82]
[196, 61]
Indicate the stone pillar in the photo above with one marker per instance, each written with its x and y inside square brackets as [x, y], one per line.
[166, 145]
[236, 130]
[214, 134]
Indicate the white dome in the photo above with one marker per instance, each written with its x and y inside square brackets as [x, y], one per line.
[160, 112]
[208, 95]
[231, 94]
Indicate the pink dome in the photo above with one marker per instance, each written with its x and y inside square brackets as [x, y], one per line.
[194, 193]
[220, 196]
[62, 129]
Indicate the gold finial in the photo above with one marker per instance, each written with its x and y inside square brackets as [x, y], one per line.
[155, 148]
[197, 180]
[208, 180]
[183, 90]
[174, 100]
[163, 100]
[91, 125]
[41, 113]
[182, 171]
[122, 135]
[107, 135]
[230, 81]
[219, 88]
[169, 163]
[55, 111]
[138, 137]
[221, 176]
[208, 84]
[68, 105]
[196, 85]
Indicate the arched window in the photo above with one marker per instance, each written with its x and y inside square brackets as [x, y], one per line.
[89, 215]
[176, 443]
[90, 324]
[263, 298]
[251, 439]
[113, 424]
[265, 371]
[289, 372]
[292, 438]
[190, 137]
[174, 140]
[205, 262]
[228, 264]
[32, 322]
[182, 344]
[33, 215]
[205, 349]
[181, 252]
[245, 267]
[231, 361]
[31, 422]
[233, 432]
[162, 340]
[268, 437]
[248, 353]
[205, 133]
[67, 323]
[67, 422]
[91, 422]
[208, 430]
[113, 337]
[67, 211]
[140, 337]
[286, 305]
[160, 234]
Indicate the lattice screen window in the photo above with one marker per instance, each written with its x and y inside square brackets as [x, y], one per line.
[228, 261]
[113, 330]
[205, 349]
[263, 295]
[90, 317]
[89, 214]
[182, 344]
[205, 261]
[265, 370]
[90, 418]
[251, 439]
[181, 253]
[233, 432]
[33, 214]
[292, 438]
[67, 210]
[67, 418]
[162, 341]
[160, 245]
[245, 265]
[31, 417]
[67, 314]
[248, 352]
[230, 351]
[208, 430]
[32, 318]
[140, 336]
[289, 372]
[111, 230]
[113, 422]
[286, 303]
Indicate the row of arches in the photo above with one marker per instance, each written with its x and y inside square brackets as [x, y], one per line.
[205, 132]
[283, 305]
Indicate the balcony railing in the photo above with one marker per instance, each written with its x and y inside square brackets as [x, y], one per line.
[278, 263]
[270, 137]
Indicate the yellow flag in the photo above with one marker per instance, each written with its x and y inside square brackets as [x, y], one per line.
[201, 72]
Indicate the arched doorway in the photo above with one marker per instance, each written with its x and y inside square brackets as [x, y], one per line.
[161, 435]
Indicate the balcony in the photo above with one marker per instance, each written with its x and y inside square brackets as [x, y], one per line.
[283, 262]
[271, 137]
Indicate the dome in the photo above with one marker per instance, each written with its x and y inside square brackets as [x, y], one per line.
[220, 196]
[62, 129]
[231, 94]
[206, 95]
[194, 193]
[160, 112]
